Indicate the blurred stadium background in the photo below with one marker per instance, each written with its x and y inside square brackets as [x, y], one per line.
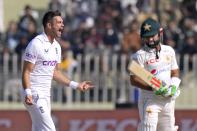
[99, 38]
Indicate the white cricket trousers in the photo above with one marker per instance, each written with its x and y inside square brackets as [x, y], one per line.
[40, 113]
[156, 113]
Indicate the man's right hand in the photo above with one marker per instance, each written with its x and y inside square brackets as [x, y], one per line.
[29, 100]
[162, 90]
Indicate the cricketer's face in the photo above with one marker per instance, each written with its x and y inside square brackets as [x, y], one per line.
[152, 40]
[57, 26]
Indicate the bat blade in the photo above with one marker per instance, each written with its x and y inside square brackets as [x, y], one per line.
[145, 75]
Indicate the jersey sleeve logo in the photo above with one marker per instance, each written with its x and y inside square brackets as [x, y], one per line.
[29, 56]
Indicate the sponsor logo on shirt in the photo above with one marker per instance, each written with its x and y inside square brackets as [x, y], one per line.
[151, 61]
[29, 56]
[156, 72]
[166, 59]
[49, 63]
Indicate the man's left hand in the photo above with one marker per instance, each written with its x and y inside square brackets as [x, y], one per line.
[162, 90]
[85, 85]
[172, 91]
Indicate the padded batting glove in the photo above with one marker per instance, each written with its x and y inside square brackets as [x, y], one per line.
[162, 90]
[171, 91]
[178, 92]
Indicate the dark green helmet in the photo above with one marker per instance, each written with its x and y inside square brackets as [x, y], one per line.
[149, 27]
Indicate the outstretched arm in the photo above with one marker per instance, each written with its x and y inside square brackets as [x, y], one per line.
[59, 77]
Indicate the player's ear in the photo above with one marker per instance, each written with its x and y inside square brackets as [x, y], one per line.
[49, 25]
[161, 34]
[160, 31]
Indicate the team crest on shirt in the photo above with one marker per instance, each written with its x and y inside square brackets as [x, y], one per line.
[167, 59]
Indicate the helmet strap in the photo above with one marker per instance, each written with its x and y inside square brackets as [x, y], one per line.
[157, 55]
[161, 34]
[158, 49]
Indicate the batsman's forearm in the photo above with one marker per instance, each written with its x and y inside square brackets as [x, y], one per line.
[175, 73]
[175, 80]
[139, 83]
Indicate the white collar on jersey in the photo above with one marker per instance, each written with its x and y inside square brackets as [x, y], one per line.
[46, 38]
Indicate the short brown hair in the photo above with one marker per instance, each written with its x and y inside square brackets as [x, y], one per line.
[49, 16]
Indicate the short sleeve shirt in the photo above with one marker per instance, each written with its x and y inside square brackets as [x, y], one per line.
[161, 67]
[44, 55]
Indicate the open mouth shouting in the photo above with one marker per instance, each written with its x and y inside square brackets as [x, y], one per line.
[60, 31]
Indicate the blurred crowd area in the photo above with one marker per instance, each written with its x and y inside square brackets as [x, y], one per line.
[107, 26]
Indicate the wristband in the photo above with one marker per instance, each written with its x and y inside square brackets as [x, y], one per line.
[74, 84]
[27, 91]
[175, 81]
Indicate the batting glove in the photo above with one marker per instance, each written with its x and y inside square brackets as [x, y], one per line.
[162, 90]
[171, 91]
[176, 94]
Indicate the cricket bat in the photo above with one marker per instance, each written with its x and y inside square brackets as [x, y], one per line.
[145, 75]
